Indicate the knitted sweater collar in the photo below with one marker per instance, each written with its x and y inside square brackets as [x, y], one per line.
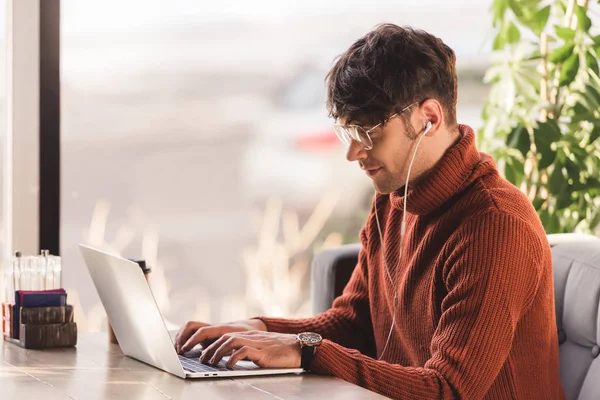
[454, 171]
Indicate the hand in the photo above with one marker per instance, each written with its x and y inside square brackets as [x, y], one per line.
[194, 332]
[265, 349]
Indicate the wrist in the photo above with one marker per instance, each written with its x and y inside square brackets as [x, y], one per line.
[298, 348]
[309, 342]
[257, 324]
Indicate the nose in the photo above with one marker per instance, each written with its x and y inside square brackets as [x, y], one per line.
[355, 152]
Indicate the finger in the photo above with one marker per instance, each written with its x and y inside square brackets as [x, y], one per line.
[178, 336]
[209, 351]
[230, 344]
[209, 332]
[245, 352]
[186, 331]
[207, 342]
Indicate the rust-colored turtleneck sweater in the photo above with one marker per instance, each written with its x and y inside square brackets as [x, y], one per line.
[475, 315]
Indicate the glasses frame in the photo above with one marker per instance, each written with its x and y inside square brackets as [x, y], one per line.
[353, 132]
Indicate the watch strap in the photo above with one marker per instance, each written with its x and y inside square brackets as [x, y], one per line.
[307, 356]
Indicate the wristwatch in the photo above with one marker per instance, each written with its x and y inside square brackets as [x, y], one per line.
[309, 341]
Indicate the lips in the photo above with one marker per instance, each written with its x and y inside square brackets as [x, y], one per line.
[373, 171]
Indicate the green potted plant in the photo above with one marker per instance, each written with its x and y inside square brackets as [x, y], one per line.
[542, 116]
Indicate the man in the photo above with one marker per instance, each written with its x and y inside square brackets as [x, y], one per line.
[458, 302]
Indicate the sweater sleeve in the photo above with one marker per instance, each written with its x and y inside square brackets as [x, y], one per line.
[348, 322]
[491, 273]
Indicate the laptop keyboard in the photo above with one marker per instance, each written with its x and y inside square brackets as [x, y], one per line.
[194, 364]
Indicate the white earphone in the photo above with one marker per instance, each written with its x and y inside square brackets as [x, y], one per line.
[428, 126]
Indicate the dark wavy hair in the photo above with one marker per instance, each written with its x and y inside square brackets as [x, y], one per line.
[388, 69]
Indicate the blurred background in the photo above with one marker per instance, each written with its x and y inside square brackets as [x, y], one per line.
[195, 136]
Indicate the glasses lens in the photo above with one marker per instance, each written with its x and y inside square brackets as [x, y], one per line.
[363, 137]
[342, 134]
[354, 132]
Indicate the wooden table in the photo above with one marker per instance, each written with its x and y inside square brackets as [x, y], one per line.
[96, 369]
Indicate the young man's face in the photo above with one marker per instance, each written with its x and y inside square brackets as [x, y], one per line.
[388, 161]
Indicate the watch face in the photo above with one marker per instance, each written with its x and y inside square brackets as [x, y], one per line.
[310, 338]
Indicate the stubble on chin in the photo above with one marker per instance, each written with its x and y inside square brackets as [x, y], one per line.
[386, 186]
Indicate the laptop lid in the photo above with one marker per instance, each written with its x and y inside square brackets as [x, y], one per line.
[132, 310]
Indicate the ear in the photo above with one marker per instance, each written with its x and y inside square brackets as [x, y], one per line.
[431, 111]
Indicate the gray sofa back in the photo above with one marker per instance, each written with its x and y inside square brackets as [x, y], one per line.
[576, 264]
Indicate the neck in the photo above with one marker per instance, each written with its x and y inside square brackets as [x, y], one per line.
[445, 177]
[451, 137]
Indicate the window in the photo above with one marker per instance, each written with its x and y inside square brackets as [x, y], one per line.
[194, 135]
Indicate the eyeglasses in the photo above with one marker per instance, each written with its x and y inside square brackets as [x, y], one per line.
[347, 134]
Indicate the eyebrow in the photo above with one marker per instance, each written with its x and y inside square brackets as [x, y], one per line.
[365, 127]
[353, 122]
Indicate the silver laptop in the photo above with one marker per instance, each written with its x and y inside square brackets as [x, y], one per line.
[139, 326]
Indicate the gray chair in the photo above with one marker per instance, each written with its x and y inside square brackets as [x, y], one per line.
[576, 263]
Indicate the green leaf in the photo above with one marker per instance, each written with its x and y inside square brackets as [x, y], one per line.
[544, 135]
[569, 70]
[526, 88]
[595, 221]
[580, 108]
[594, 134]
[551, 222]
[587, 100]
[518, 139]
[516, 8]
[537, 203]
[562, 53]
[556, 181]
[551, 130]
[563, 199]
[596, 40]
[590, 183]
[567, 34]
[498, 9]
[582, 19]
[512, 34]
[514, 171]
[572, 170]
[579, 152]
[539, 20]
[591, 61]
[580, 113]
[592, 96]
[499, 42]
[593, 188]
[534, 55]
[544, 217]
[595, 80]
[548, 157]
